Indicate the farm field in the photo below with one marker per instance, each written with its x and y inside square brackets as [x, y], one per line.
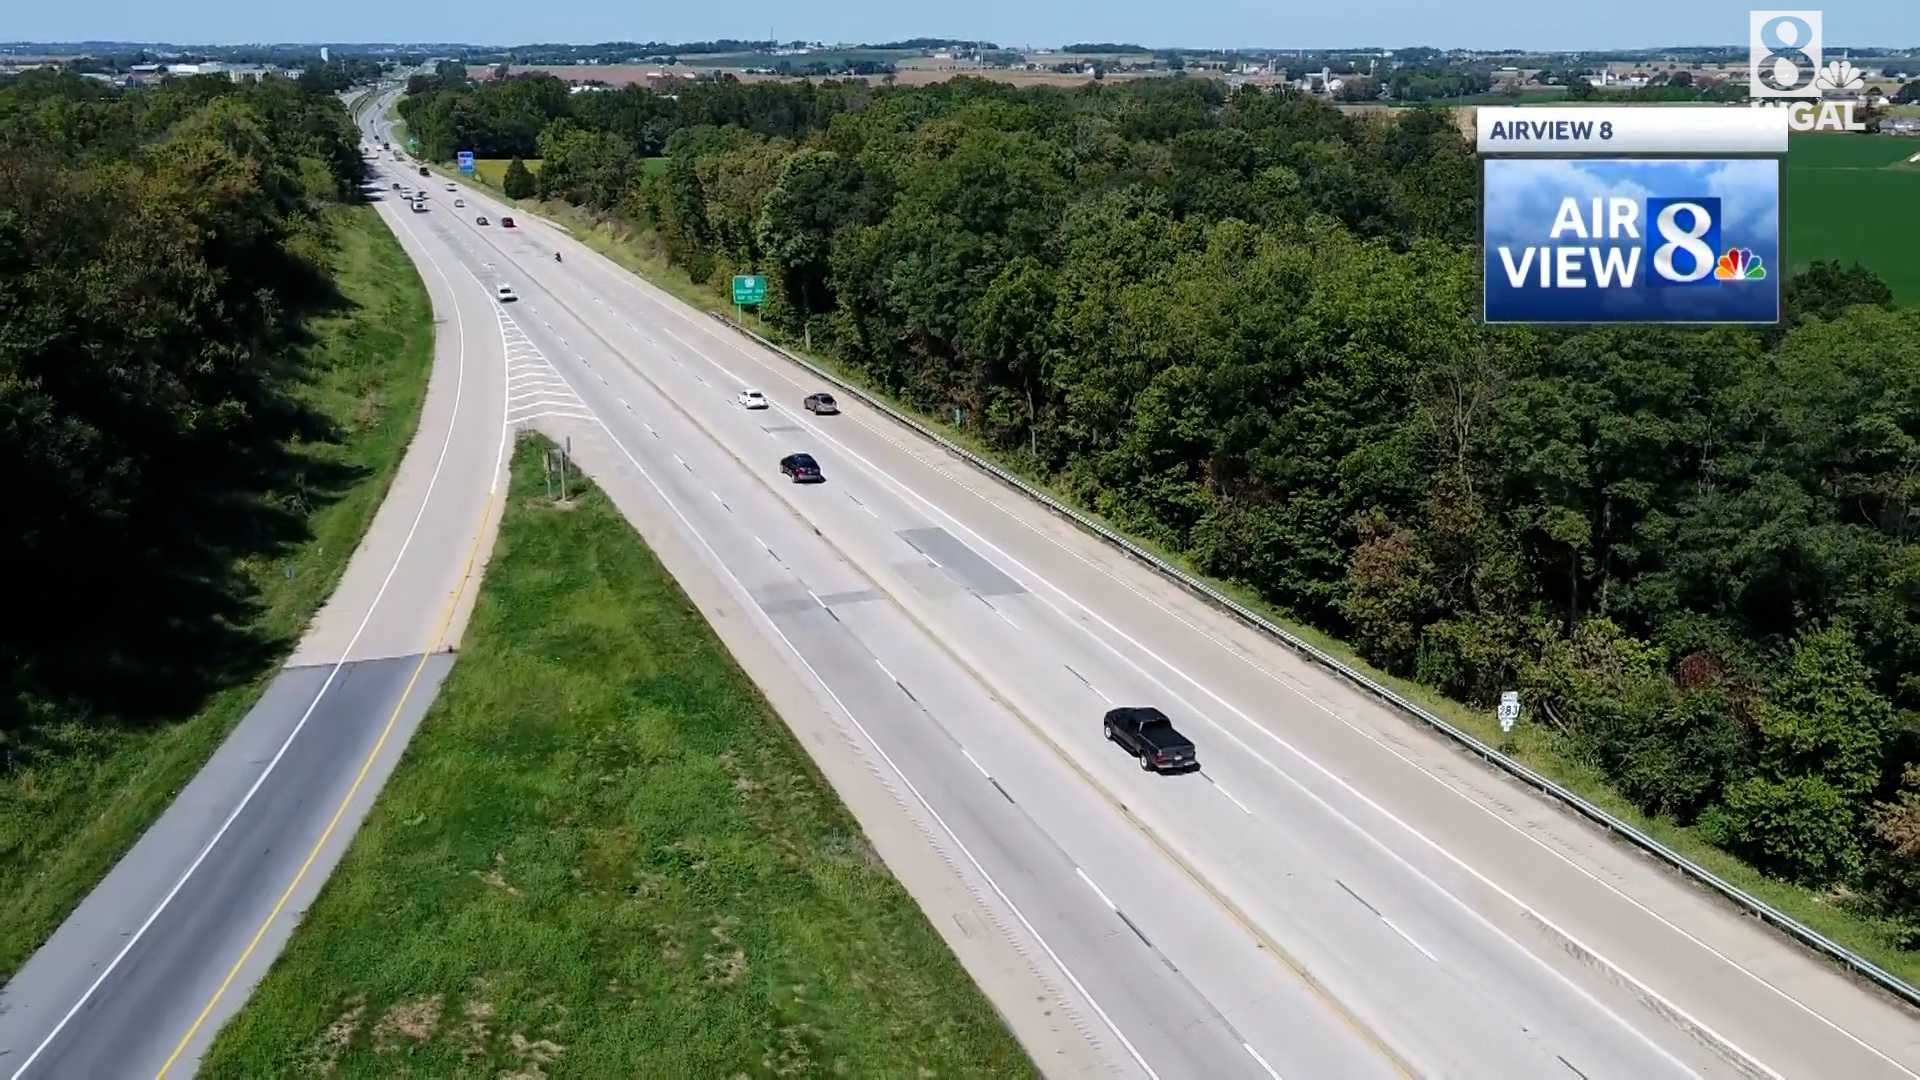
[1852, 198]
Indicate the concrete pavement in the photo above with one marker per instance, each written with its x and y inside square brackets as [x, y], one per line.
[1393, 872]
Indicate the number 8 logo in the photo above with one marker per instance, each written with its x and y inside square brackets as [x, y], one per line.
[1805, 67]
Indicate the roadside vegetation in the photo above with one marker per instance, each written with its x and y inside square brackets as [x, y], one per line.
[604, 855]
[1240, 326]
[215, 358]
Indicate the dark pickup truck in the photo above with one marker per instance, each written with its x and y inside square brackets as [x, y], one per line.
[1147, 734]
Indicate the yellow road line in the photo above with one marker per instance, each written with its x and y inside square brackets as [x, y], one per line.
[393, 720]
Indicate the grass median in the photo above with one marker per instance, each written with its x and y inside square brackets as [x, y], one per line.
[604, 855]
[93, 785]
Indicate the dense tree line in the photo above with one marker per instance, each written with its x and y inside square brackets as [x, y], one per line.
[1242, 324]
[157, 248]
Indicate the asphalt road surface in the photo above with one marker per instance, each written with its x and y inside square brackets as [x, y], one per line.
[1335, 893]
[141, 975]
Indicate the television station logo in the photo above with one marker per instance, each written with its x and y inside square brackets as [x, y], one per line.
[1785, 71]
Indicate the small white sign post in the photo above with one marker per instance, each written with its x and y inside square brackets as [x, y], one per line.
[1509, 711]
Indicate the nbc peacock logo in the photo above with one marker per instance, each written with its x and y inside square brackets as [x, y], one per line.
[1740, 264]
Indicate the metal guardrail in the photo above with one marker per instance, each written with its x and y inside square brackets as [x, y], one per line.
[1753, 905]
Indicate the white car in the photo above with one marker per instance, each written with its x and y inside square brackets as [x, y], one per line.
[504, 293]
[459, 202]
[751, 399]
[450, 187]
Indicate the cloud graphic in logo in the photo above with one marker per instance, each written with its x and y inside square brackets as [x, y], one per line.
[1840, 75]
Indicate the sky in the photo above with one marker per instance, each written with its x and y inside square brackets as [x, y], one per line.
[1527, 24]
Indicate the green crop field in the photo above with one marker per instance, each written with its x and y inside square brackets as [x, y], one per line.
[491, 171]
[1853, 198]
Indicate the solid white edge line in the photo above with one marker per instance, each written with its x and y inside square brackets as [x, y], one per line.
[272, 763]
[1013, 908]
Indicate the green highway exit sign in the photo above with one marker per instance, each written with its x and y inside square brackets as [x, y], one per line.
[749, 289]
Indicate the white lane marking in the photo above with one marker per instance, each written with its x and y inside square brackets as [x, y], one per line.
[959, 844]
[406, 542]
[650, 430]
[1004, 618]
[1222, 790]
[817, 600]
[1256, 755]
[1409, 939]
[930, 560]
[1096, 889]
[976, 764]
[772, 365]
[883, 668]
[683, 462]
[717, 498]
[1263, 1061]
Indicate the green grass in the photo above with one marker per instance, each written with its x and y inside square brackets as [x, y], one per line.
[604, 849]
[1852, 198]
[70, 814]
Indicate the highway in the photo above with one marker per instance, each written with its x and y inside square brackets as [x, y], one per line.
[139, 977]
[1336, 893]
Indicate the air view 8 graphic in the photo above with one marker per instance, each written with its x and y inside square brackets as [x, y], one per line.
[1632, 240]
[1623, 220]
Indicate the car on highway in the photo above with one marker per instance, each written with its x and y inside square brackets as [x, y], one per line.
[751, 399]
[396, 187]
[504, 293]
[481, 220]
[1147, 734]
[459, 202]
[801, 469]
[451, 187]
[821, 404]
[506, 222]
[423, 170]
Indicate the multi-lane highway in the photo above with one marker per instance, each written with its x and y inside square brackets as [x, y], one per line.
[1335, 893]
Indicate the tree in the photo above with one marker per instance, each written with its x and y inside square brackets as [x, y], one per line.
[1825, 288]
[1800, 828]
[1682, 77]
[1908, 94]
[518, 183]
[1824, 718]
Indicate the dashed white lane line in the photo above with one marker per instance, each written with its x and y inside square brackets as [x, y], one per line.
[1263, 1061]
[1096, 889]
[883, 668]
[1231, 799]
[1408, 938]
[976, 764]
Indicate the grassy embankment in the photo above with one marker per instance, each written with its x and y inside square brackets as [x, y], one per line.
[638, 251]
[603, 850]
[93, 787]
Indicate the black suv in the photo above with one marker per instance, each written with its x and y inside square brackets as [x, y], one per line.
[801, 469]
[821, 404]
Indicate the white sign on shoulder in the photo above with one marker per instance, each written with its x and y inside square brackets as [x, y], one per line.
[1509, 711]
[1630, 129]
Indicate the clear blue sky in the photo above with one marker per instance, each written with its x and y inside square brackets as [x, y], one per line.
[1540, 24]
